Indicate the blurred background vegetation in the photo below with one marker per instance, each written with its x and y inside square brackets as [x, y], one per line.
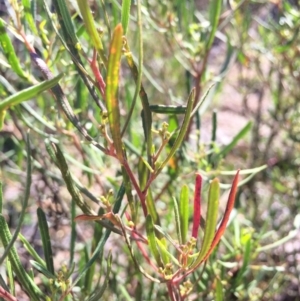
[249, 66]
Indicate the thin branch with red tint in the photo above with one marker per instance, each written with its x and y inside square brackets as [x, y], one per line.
[143, 251]
[99, 79]
[6, 295]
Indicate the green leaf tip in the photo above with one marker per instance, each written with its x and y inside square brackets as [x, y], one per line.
[125, 14]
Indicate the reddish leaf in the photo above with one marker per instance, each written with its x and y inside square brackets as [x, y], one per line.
[197, 206]
[110, 216]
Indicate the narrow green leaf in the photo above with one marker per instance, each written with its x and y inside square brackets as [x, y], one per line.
[211, 221]
[11, 277]
[73, 232]
[213, 136]
[151, 240]
[25, 106]
[1, 197]
[152, 208]
[98, 294]
[139, 90]
[106, 18]
[291, 235]
[128, 242]
[115, 14]
[64, 168]
[4, 285]
[184, 212]
[43, 226]
[9, 51]
[228, 210]
[254, 170]
[204, 101]
[230, 57]
[28, 16]
[99, 249]
[139, 292]
[112, 82]
[88, 279]
[219, 290]
[161, 243]
[42, 268]
[66, 23]
[214, 16]
[177, 220]
[90, 26]
[29, 248]
[30, 287]
[130, 199]
[223, 153]
[124, 293]
[246, 260]
[166, 256]
[166, 235]
[28, 122]
[29, 93]
[162, 109]
[147, 165]
[125, 14]
[71, 43]
[51, 150]
[182, 131]
[2, 117]
[24, 204]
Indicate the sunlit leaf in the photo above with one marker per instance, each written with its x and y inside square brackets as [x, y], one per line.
[219, 290]
[214, 16]
[29, 16]
[29, 93]
[90, 25]
[229, 207]
[125, 14]
[235, 140]
[112, 84]
[9, 51]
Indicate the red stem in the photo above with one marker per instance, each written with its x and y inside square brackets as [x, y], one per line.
[6, 295]
[97, 74]
[171, 291]
[141, 195]
[143, 251]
